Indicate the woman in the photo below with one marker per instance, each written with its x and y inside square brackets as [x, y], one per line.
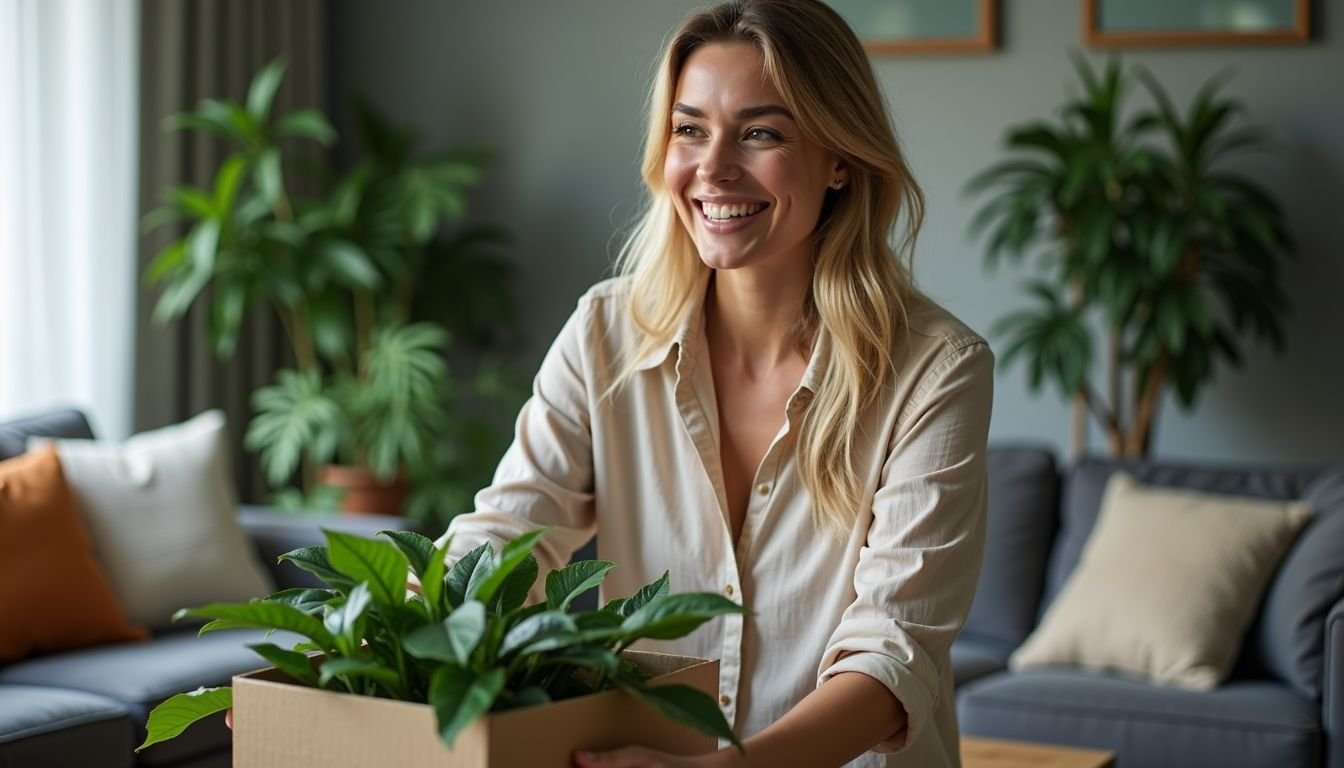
[764, 406]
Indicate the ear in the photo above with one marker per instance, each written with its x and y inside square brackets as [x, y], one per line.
[839, 173]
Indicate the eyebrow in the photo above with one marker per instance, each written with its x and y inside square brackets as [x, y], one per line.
[742, 114]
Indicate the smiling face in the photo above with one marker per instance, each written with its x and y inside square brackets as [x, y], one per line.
[748, 186]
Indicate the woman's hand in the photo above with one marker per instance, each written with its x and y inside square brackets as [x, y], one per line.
[640, 757]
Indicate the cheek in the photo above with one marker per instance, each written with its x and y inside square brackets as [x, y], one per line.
[678, 168]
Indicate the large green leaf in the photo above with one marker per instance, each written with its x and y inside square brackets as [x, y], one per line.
[261, 92]
[172, 717]
[646, 594]
[306, 599]
[345, 620]
[263, 615]
[269, 176]
[418, 548]
[566, 584]
[674, 616]
[452, 640]
[509, 558]
[315, 561]
[686, 705]
[459, 576]
[379, 563]
[513, 592]
[541, 632]
[432, 581]
[353, 668]
[306, 124]
[349, 264]
[292, 663]
[459, 696]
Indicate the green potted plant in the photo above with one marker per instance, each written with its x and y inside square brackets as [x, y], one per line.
[1142, 231]
[350, 272]
[465, 644]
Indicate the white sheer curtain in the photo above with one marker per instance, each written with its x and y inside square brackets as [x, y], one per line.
[68, 110]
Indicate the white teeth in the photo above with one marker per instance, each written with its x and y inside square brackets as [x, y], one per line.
[722, 212]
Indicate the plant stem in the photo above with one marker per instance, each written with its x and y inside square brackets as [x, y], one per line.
[364, 321]
[1149, 391]
[300, 339]
[1079, 414]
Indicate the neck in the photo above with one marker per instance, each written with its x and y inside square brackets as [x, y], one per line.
[751, 315]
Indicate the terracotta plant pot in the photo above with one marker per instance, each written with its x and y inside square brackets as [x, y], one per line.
[364, 493]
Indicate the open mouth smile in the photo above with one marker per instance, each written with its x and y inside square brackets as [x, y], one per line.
[723, 218]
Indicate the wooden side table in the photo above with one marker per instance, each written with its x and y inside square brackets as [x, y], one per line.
[994, 753]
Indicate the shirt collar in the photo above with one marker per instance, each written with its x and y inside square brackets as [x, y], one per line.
[687, 328]
[816, 364]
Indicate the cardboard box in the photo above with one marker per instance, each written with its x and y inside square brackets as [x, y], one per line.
[280, 724]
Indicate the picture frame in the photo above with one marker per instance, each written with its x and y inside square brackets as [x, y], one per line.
[1128, 23]
[895, 27]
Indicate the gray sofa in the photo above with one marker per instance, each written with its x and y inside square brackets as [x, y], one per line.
[1284, 703]
[87, 708]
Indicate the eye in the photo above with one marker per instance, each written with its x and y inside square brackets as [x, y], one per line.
[686, 130]
[761, 135]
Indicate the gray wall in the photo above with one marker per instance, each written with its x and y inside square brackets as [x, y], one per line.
[558, 89]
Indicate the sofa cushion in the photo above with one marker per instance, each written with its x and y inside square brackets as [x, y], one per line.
[54, 726]
[1167, 584]
[1250, 724]
[53, 593]
[1310, 582]
[973, 659]
[1081, 499]
[64, 423]
[141, 675]
[1085, 484]
[162, 512]
[1021, 523]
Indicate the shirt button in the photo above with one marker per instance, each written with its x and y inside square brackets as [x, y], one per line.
[763, 488]
[725, 700]
[728, 590]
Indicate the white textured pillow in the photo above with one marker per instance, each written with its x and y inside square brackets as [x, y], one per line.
[1167, 583]
[163, 517]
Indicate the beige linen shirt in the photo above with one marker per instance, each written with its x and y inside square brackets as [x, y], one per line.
[643, 468]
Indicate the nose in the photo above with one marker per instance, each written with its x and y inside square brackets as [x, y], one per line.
[719, 163]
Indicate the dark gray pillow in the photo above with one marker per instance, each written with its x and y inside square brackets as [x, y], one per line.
[67, 423]
[1022, 518]
[1291, 631]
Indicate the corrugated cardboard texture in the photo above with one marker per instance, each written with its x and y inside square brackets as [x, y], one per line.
[280, 725]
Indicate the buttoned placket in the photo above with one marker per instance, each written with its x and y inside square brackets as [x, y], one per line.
[694, 392]
[696, 403]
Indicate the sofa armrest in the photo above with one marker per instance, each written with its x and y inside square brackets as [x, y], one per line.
[1332, 688]
[274, 533]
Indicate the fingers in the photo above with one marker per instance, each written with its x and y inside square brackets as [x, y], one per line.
[228, 718]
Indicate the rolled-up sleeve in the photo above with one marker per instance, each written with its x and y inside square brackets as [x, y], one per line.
[546, 476]
[918, 567]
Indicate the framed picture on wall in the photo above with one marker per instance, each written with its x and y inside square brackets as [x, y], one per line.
[1119, 23]
[922, 26]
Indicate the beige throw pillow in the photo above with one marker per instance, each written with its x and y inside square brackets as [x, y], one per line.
[1167, 583]
[162, 513]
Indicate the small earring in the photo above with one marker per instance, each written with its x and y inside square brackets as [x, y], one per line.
[838, 184]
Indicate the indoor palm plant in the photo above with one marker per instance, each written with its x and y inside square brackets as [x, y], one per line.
[465, 644]
[368, 285]
[1143, 232]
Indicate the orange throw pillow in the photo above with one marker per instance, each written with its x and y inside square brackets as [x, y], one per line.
[53, 594]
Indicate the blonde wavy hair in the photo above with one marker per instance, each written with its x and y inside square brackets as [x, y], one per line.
[861, 283]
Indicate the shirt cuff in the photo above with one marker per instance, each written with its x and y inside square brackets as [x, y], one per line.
[917, 700]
